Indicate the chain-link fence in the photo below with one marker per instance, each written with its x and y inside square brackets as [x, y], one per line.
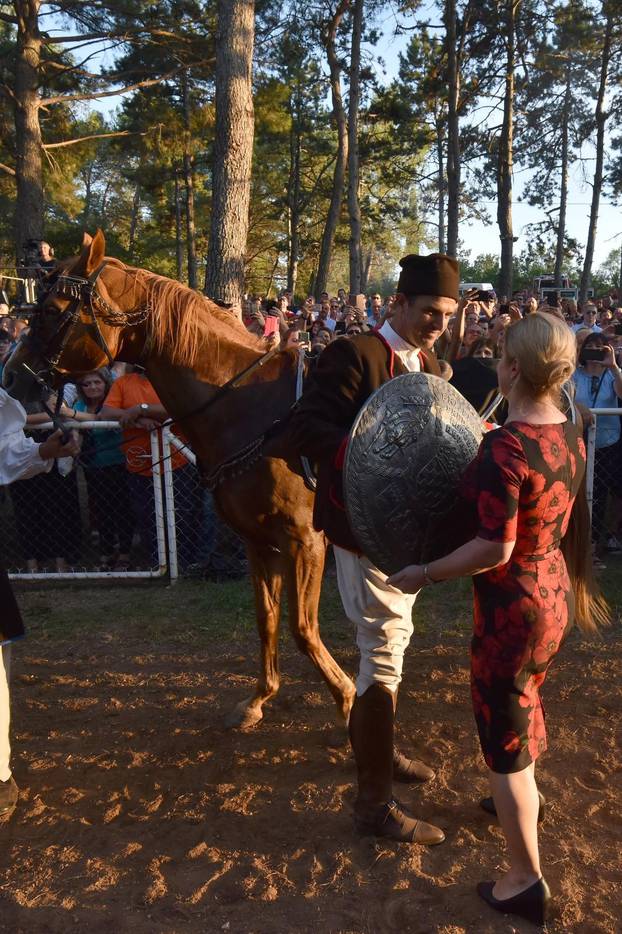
[604, 480]
[138, 513]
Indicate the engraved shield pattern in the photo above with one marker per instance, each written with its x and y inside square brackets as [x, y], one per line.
[408, 450]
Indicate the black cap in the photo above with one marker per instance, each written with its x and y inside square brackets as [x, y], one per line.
[435, 274]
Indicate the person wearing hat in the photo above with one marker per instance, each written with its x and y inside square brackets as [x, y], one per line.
[348, 372]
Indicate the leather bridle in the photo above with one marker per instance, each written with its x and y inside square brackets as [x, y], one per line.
[83, 297]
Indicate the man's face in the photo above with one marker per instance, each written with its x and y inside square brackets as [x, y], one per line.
[376, 302]
[422, 320]
[589, 317]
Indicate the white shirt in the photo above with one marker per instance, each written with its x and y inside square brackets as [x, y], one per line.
[408, 354]
[595, 329]
[19, 455]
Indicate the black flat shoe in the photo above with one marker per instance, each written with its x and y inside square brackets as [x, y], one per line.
[488, 805]
[532, 904]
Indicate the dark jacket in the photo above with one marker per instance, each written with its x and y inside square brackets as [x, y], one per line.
[347, 373]
[11, 626]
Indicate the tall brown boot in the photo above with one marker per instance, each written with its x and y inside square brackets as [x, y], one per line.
[376, 812]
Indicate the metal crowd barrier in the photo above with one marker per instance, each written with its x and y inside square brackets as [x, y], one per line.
[53, 524]
[604, 483]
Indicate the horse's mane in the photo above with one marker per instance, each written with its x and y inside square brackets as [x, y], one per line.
[187, 323]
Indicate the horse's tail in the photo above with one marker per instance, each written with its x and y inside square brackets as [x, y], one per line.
[591, 608]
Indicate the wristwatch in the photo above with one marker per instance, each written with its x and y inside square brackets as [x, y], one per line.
[144, 407]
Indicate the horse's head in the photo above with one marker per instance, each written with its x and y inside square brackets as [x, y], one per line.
[80, 323]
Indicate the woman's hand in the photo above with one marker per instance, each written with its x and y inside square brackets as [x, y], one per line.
[409, 579]
[609, 359]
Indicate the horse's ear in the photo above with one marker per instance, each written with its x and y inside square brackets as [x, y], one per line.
[86, 240]
[95, 252]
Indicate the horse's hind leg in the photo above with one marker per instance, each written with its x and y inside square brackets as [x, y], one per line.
[304, 569]
[267, 577]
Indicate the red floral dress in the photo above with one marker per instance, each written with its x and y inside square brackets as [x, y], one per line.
[525, 478]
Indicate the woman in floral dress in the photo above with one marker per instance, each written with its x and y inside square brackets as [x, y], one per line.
[524, 482]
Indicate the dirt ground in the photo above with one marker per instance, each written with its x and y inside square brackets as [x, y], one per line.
[139, 812]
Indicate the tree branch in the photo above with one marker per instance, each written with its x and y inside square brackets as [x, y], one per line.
[7, 169]
[119, 36]
[97, 95]
[8, 19]
[84, 139]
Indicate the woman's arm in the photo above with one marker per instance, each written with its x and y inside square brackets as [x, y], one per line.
[475, 557]
[616, 372]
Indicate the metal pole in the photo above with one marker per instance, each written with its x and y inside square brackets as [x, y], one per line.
[589, 469]
[169, 504]
[183, 448]
[157, 497]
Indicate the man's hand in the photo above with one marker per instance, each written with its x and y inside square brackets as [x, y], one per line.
[54, 447]
[147, 424]
[468, 297]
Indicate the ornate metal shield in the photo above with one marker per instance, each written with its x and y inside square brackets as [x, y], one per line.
[408, 450]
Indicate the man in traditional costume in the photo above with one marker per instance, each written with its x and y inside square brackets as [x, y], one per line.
[20, 458]
[348, 372]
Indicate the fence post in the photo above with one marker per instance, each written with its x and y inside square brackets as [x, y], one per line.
[157, 496]
[169, 505]
[589, 467]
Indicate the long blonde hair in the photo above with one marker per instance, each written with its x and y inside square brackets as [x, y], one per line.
[545, 349]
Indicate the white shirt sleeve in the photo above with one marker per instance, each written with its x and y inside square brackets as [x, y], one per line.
[19, 455]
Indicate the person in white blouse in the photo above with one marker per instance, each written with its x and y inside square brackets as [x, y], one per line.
[20, 458]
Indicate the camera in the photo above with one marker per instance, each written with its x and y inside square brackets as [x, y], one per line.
[597, 354]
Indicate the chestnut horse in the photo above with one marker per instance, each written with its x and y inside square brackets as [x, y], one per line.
[190, 347]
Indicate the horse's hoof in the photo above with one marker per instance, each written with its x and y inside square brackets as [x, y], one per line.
[243, 716]
[336, 737]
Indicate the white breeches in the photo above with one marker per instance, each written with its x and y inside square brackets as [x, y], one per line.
[382, 616]
[5, 712]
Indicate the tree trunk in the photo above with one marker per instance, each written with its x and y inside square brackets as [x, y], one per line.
[134, 222]
[563, 196]
[88, 182]
[453, 128]
[191, 247]
[339, 175]
[29, 204]
[597, 183]
[369, 259]
[505, 156]
[354, 207]
[179, 246]
[293, 197]
[233, 151]
[440, 158]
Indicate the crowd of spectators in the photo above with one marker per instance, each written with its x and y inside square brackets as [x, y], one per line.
[113, 484]
[468, 354]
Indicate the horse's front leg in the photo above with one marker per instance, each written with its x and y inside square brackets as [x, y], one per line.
[304, 569]
[267, 577]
